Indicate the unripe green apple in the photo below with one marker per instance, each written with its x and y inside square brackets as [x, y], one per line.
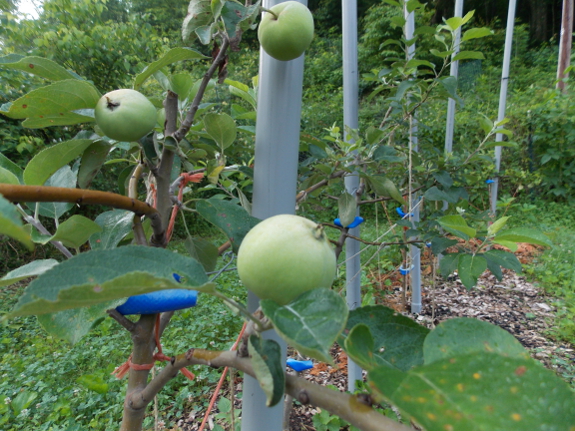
[125, 115]
[285, 256]
[288, 33]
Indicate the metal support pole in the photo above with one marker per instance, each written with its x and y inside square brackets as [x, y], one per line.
[275, 186]
[415, 253]
[503, 99]
[350, 119]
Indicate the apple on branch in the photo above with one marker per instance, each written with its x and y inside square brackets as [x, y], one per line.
[284, 256]
[125, 115]
[286, 30]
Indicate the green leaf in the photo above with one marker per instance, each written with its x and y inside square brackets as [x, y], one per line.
[310, 323]
[31, 269]
[234, 14]
[174, 55]
[92, 160]
[373, 135]
[468, 55]
[530, 236]
[64, 119]
[470, 268]
[440, 244]
[221, 128]
[456, 225]
[11, 225]
[49, 160]
[55, 100]
[479, 392]
[72, 324]
[383, 186]
[63, 177]
[203, 251]
[463, 336]
[99, 276]
[449, 83]
[434, 194]
[12, 167]
[93, 382]
[347, 209]
[232, 219]
[75, 231]
[504, 259]
[38, 66]
[22, 401]
[448, 264]
[386, 153]
[7, 177]
[266, 358]
[505, 144]
[476, 33]
[396, 341]
[454, 23]
[199, 15]
[241, 90]
[182, 84]
[115, 224]
[497, 225]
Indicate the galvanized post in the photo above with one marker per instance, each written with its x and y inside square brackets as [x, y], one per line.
[275, 186]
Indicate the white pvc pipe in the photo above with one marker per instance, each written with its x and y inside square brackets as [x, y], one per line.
[275, 186]
[454, 71]
[415, 253]
[350, 119]
[503, 99]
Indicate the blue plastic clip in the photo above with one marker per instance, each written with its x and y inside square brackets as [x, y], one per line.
[490, 181]
[356, 222]
[159, 301]
[401, 213]
[428, 244]
[299, 365]
[405, 271]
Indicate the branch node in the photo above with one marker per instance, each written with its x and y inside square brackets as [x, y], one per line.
[190, 354]
[303, 397]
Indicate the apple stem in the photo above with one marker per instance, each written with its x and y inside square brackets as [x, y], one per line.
[263, 9]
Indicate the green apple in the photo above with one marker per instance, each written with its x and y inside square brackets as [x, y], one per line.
[286, 30]
[284, 256]
[125, 115]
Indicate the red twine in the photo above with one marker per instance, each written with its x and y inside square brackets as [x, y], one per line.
[123, 369]
[186, 178]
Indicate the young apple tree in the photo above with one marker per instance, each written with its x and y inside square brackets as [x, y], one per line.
[463, 375]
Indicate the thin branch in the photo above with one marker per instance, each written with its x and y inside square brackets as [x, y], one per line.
[349, 407]
[302, 195]
[188, 121]
[38, 225]
[121, 319]
[20, 193]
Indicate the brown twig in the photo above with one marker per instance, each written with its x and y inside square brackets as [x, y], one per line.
[20, 193]
[347, 406]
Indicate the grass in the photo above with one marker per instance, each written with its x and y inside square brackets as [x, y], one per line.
[48, 385]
